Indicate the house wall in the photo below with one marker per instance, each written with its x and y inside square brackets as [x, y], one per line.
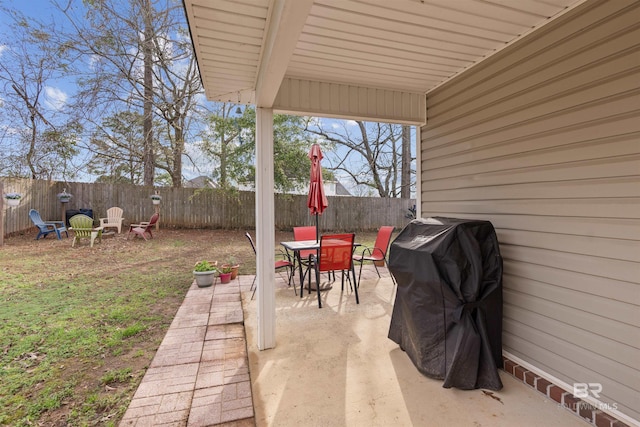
[543, 140]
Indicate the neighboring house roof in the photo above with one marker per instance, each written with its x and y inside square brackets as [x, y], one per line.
[341, 190]
[200, 182]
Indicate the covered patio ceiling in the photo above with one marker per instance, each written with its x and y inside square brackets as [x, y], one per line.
[246, 48]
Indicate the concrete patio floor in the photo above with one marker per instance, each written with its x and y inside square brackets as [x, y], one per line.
[333, 366]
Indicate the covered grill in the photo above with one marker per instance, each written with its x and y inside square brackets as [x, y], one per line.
[447, 314]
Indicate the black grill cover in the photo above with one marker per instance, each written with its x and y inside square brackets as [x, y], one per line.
[447, 314]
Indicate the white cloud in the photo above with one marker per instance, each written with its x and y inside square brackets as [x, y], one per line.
[93, 60]
[3, 47]
[55, 98]
[340, 124]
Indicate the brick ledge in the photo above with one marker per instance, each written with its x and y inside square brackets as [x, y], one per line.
[585, 410]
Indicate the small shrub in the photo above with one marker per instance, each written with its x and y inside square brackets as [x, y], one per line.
[204, 266]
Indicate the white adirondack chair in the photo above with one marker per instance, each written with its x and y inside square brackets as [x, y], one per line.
[113, 219]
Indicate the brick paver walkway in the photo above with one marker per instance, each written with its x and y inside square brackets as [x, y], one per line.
[200, 373]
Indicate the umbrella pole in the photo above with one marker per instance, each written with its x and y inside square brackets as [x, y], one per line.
[317, 230]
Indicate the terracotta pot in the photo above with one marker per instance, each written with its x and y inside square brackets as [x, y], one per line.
[234, 269]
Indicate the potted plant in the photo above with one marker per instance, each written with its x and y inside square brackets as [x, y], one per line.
[64, 197]
[155, 198]
[234, 267]
[225, 274]
[204, 272]
[13, 199]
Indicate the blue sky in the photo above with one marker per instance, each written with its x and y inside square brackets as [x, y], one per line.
[37, 8]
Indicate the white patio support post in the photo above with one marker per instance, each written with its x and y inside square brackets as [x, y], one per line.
[265, 229]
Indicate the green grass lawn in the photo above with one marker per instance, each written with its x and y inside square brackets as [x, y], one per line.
[79, 326]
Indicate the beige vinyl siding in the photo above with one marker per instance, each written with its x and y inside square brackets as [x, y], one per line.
[543, 140]
[322, 99]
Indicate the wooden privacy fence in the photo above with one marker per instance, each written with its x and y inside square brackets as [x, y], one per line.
[196, 208]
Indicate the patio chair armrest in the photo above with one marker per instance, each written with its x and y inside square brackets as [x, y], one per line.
[55, 224]
[377, 252]
[284, 254]
[311, 259]
[365, 251]
[370, 254]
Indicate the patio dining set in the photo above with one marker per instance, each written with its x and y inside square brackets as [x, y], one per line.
[310, 253]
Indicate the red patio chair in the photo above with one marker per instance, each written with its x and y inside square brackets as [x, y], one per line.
[144, 227]
[279, 265]
[304, 233]
[335, 253]
[378, 252]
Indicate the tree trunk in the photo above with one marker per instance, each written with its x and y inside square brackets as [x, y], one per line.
[177, 155]
[223, 161]
[147, 47]
[405, 179]
[32, 148]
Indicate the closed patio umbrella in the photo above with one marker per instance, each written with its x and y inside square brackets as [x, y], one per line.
[316, 201]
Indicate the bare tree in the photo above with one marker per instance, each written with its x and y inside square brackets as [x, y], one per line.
[141, 61]
[147, 55]
[405, 182]
[37, 140]
[369, 153]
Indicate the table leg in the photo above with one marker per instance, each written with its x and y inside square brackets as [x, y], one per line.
[297, 254]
